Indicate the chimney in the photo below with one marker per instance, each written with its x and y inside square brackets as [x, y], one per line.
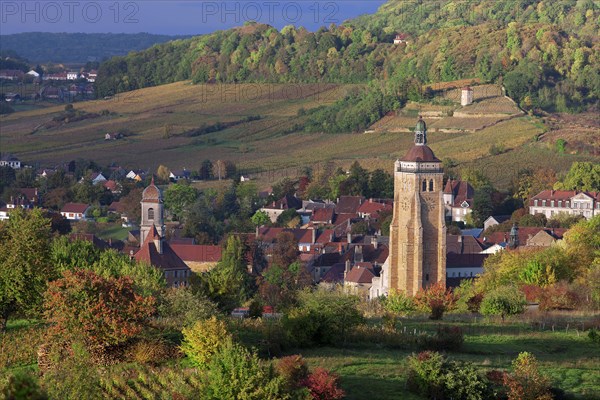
[349, 237]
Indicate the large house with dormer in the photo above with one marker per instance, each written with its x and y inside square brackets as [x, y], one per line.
[572, 202]
[458, 200]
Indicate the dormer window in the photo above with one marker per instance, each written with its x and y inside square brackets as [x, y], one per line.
[464, 204]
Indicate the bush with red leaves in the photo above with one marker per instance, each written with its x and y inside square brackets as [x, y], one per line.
[323, 385]
[102, 311]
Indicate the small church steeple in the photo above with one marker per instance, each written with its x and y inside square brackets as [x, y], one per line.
[421, 132]
[513, 241]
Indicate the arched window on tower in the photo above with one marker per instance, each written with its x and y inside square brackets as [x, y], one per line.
[151, 213]
[424, 185]
[431, 185]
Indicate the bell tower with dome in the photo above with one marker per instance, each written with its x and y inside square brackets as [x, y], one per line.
[152, 212]
[417, 256]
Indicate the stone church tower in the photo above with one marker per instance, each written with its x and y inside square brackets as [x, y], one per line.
[152, 212]
[418, 232]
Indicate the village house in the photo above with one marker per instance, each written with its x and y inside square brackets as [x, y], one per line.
[458, 200]
[158, 253]
[136, 175]
[571, 202]
[74, 211]
[199, 258]
[60, 76]
[359, 279]
[72, 75]
[401, 38]
[278, 207]
[9, 160]
[52, 93]
[11, 74]
[113, 136]
[494, 220]
[11, 97]
[178, 175]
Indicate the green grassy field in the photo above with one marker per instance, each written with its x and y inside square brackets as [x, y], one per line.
[565, 354]
[147, 116]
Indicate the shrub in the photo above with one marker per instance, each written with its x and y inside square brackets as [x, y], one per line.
[181, 307]
[382, 335]
[526, 382]
[147, 351]
[324, 385]
[431, 375]
[449, 338]
[503, 301]
[101, 311]
[293, 370]
[203, 340]
[21, 386]
[594, 336]
[398, 302]
[323, 317]
[75, 377]
[560, 296]
[236, 373]
[436, 300]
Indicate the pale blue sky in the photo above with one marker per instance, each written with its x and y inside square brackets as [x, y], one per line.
[171, 17]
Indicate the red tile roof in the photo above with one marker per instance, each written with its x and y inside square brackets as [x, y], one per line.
[360, 273]
[335, 274]
[561, 195]
[348, 204]
[76, 208]
[323, 215]
[373, 207]
[167, 260]
[197, 252]
[420, 154]
[524, 234]
[461, 190]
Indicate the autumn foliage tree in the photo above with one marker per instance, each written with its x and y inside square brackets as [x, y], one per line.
[102, 311]
[526, 382]
[436, 300]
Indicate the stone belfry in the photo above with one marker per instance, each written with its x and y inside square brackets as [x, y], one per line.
[152, 212]
[417, 256]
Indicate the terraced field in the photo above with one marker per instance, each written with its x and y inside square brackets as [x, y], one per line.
[266, 144]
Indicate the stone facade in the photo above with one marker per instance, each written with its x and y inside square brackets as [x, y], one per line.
[417, 256]
[152, 212]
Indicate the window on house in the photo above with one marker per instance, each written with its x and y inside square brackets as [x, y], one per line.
[151, 213]
[551, 203]
[543, 203]
[560, 203]
[535, 203]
